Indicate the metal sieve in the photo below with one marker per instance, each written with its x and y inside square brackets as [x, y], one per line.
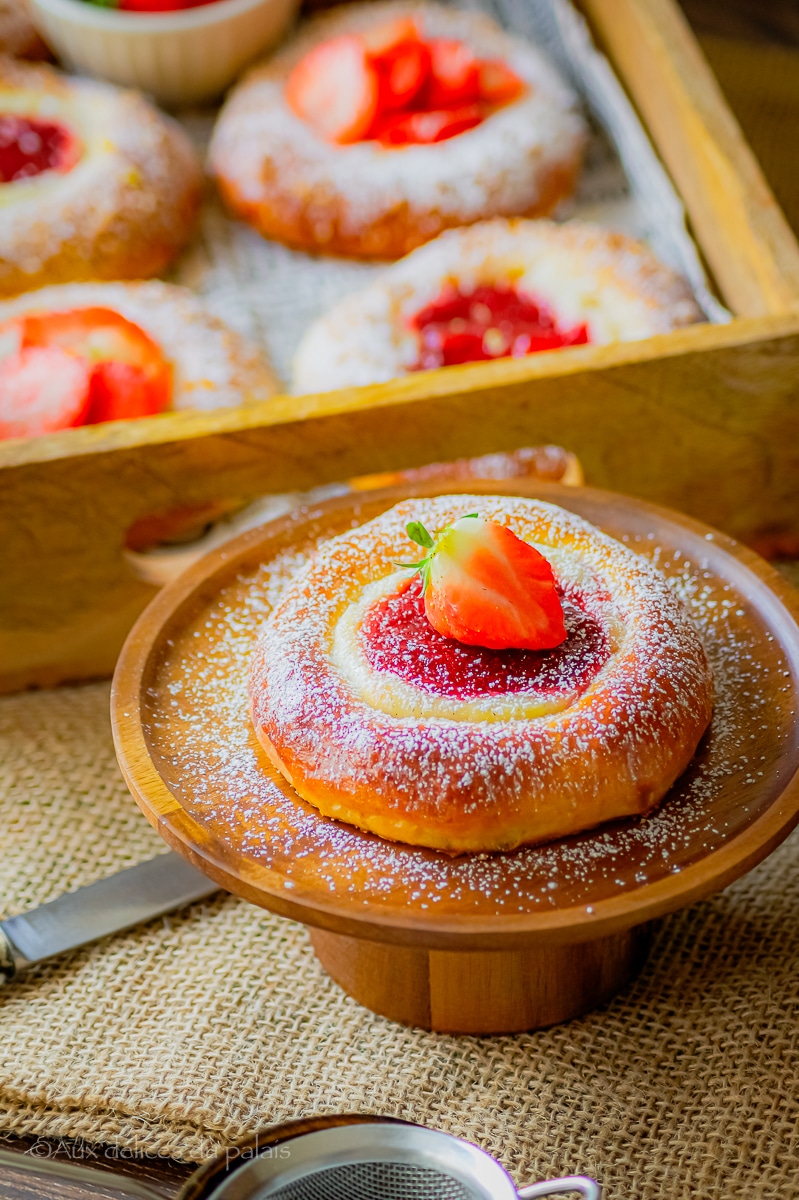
[341, 1158]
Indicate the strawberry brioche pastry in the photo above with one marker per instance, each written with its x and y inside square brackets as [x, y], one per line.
[382, 124]
[94, 182]
[521, 678]
[551, 464]
[85, 353]
[498, 289]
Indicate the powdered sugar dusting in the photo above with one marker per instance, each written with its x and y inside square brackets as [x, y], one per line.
[200, 735]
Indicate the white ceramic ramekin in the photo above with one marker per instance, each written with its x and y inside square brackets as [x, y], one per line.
[178, 57]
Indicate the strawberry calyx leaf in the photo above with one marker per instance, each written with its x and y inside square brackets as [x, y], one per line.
[417, 533]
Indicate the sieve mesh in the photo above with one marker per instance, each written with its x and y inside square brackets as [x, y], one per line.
[374, 1181]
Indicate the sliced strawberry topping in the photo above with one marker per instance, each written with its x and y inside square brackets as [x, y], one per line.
[335, 88]
[488, 322]
[484, 586]
[121, 390]
[98, 334]
[125, 374]
[381, 41]
[42, 389]
[402, 76]
[29, 146]
[425, 128]
[392, 85]
[401, 60]
[150, 5]
[498, 84]
[454, 75]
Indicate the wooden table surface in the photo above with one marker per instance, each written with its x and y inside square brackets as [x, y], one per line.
[775, 21]
[162, 1174]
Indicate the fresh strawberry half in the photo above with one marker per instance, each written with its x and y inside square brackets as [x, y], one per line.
[335, 87]
[120, 391]
[98, 334]
[42, 389]
[127, 374]
[484, 586]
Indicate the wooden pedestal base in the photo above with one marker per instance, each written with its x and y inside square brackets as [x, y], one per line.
[483, 991]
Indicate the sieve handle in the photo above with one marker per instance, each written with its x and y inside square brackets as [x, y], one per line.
[589, 1189]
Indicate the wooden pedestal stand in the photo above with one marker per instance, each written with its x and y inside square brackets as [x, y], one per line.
[482, 991]
[530, 938]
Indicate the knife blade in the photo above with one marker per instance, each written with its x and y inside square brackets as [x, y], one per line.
[150, 889]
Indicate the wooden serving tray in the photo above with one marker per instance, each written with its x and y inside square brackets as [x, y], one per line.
[469, 943]
[704, 419]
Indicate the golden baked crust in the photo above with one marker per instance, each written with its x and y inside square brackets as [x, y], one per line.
[366, 201]
[497, 771]
[122, 212]
[212, 367]
[586, 274]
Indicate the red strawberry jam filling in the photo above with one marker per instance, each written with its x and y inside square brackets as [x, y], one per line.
[393, 86]
[82, 367]
[29, 147]
[489, 322]
[396, 636]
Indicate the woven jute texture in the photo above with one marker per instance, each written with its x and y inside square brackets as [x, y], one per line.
[186, 1034]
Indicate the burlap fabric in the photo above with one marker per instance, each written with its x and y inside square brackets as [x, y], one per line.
[184, 1035]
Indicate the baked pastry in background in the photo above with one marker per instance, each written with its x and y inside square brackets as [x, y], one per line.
[95, 183]
[503, 288]
[19, 36]
[83, 353]
[539, 680]
[382, 124]
[551, 464]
